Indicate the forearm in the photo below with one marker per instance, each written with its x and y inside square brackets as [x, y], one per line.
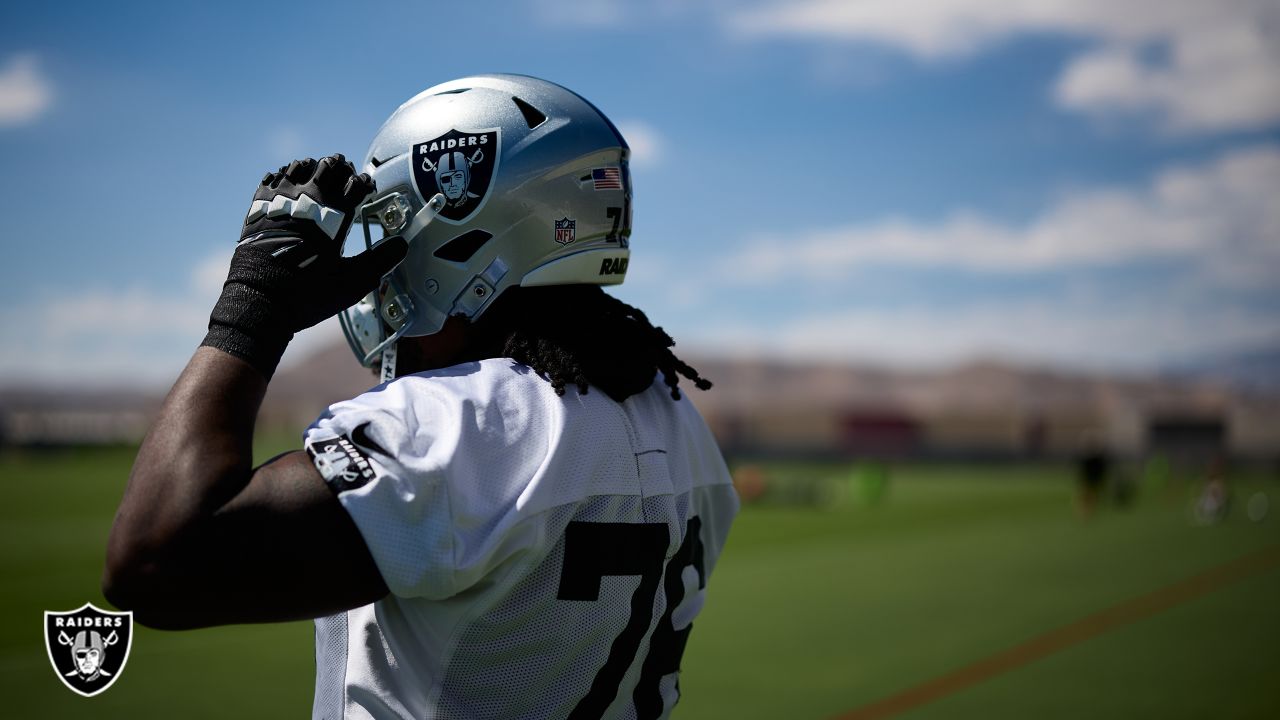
[197, 456]
[202, 538]
[187, 546]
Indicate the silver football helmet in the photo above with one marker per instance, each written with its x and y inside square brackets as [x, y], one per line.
[494, 181]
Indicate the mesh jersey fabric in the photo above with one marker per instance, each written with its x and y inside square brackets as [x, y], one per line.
[546, 555]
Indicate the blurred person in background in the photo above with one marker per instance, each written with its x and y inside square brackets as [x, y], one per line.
[1093, 470]
[1213, 502]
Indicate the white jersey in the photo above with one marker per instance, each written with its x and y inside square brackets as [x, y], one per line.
[546, 555]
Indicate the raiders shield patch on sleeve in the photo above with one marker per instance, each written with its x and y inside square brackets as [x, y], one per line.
[342, 461]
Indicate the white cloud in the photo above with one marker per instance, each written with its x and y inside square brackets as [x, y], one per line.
[598, 13]
[646, 142]
[24, 93]
[656, 280]
[96, 336]
[135, 336]
[1194, 65]
[208, 274]
[1216, 72]
[1222, 215]
[1087, 332]
[606, 13]
[927, 30]
[285, 144]
[1222, 76]
[136, 313]
[1218, 222]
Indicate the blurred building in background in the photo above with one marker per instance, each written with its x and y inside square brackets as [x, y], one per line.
[33, 418]
[980, 411]
[770, 409]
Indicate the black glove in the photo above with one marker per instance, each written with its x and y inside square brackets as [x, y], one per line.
[288, 272]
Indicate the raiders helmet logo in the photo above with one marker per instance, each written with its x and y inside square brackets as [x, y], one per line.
[459, 165]
[88, 647]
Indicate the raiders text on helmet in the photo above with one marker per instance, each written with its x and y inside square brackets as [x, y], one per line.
[495, 181]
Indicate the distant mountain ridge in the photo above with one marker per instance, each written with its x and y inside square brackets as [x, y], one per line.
[1257, 370]
[759, 400]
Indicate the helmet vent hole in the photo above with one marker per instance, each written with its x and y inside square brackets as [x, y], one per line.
[377, 162]
[532, 116]
[461, 248]
[452, 92]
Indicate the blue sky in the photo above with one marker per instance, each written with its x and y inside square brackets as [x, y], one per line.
[1089, 184]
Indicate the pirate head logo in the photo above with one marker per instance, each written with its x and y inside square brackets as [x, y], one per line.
[334, 464]
[88, 647]
[459, 165]
[342, 463]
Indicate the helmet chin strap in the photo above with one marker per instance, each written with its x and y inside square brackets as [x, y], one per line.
[389, 363]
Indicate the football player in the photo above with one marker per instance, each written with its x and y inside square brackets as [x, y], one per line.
[522, 519]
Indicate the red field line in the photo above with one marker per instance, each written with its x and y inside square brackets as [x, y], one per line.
[1130, 611]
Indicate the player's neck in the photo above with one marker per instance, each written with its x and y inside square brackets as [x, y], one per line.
[457, 342]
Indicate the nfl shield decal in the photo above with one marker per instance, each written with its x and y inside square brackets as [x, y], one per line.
[88, 647]
[461, 166]
[566, 230]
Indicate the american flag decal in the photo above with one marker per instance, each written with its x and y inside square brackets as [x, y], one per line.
[607, 178]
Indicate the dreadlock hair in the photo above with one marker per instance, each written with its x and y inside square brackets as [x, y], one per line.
[581, 335]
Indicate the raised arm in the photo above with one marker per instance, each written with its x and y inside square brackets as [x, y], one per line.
[201, 537]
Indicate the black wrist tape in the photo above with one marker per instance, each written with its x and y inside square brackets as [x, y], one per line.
[251, 319]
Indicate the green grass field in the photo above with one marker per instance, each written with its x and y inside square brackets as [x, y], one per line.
[813, 612]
